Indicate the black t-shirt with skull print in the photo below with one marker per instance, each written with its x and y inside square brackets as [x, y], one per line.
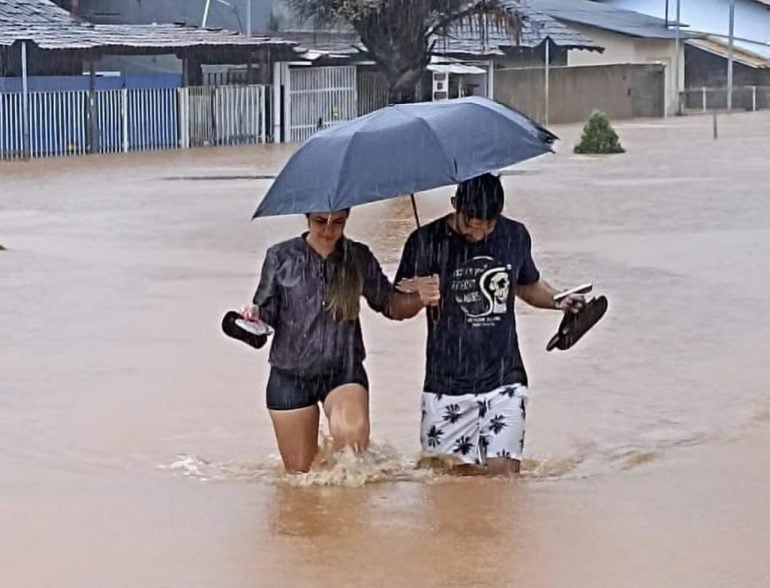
[472, 344]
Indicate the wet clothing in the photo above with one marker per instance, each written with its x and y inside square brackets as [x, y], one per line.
[471, 428]
[472, 348]
[287, 392]
[310, 347]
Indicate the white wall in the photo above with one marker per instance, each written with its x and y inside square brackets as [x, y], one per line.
[626, 49]
[617, 48]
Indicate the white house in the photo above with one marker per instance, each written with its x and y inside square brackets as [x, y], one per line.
[627, 37]
[752, 18]
[707, 56]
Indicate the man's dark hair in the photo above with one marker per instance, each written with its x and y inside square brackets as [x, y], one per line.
[481, 197]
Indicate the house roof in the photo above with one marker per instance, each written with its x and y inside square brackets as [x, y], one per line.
[33, 12]
[720, 47]
[331, 43]
[607, 17]
[51, 27]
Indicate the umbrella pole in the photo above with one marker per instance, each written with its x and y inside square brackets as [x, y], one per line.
[414, 209]
[433, 311]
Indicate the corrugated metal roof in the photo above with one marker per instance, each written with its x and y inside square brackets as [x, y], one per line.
[328, 42]
[159, 37]
[607, 17]
[31, 12]
[717, 46]
[51, 27]
[455, 68]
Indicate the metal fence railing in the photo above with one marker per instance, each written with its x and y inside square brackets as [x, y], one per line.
[747, 98]
[372, 89]
[46, 123]
[59, 123]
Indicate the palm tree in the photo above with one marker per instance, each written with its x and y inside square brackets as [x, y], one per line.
[400, 35]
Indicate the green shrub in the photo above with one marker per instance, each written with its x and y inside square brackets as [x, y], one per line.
[599, 136]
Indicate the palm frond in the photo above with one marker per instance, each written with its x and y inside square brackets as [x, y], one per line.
[478, 17]
[328, 12]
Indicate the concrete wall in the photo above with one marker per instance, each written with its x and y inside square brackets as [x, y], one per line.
[622, 91]
[619, 49]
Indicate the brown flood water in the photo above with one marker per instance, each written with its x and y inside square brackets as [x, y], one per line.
[135, 450]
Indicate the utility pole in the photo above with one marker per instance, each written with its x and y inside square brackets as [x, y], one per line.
[25, 144]
[677, 64]
[730, 57]
[206, 14]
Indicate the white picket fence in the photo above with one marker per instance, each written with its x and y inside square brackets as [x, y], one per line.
[320, 97]
[43, 124]
[225, 115]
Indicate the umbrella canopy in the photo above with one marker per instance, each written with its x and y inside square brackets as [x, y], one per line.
[400, 150]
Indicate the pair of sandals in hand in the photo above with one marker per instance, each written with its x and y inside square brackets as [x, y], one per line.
[576, 324]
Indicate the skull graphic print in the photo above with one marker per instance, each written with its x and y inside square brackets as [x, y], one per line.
[481, 287]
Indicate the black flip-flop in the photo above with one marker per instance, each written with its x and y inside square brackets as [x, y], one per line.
[574, 325]
[234, 325]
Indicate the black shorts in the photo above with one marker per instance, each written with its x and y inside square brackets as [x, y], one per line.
[287, 391]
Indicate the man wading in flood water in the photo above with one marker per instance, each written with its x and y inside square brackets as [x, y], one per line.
[474, 397]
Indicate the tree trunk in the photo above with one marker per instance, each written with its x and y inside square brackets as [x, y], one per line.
[402, 86]
[402, 94]
[396, 39]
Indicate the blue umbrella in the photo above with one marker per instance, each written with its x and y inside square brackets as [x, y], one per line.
[400, 150]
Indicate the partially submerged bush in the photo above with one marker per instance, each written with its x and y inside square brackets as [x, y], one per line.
[599, 136]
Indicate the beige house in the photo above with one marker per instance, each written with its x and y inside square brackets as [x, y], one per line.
[627, 37]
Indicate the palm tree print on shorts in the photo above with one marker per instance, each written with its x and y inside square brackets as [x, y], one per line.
[434, 436]
[463, 445]
[497, 423]
[452, 413]
[509, 391]
[484, 406]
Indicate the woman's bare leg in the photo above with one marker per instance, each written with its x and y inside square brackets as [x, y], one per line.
[347, 408]
[297, 434]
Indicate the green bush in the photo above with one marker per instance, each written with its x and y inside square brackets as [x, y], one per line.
[599, 136]
[1, 247]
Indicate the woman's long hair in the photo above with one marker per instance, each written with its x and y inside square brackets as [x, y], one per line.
[344, 284]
